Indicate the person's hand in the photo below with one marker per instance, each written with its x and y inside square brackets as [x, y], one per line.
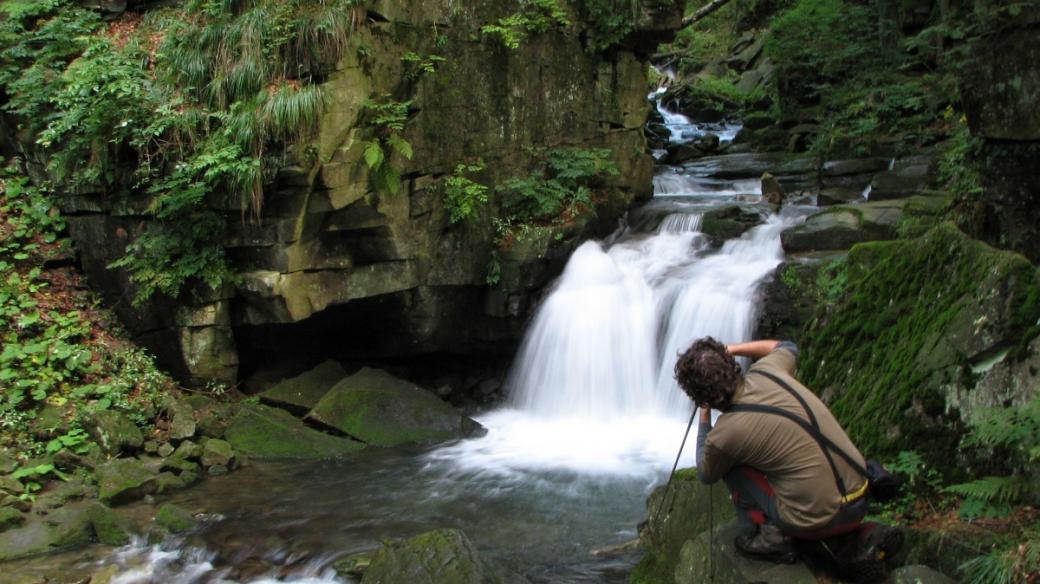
[705, 415]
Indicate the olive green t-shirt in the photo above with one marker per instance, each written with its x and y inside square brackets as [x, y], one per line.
[793, 461]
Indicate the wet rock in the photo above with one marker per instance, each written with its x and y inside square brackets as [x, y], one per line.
[10, 517]
[711, 557]
[187, 450]
[442, 556]
[854, 166]
[353, 566]
[758, 121]
[738, 166]
[838, 196]
[59, 493]
[273, 433]
[842, 227]
[167, 481]
[772, 192]
[675, 515]
[217, 452]
[918, 575]
[105, 575]
[908, 177]
[217, 470]
[380, 409]
[11, 486]
[165, 449]
[123, 480]
[728, 222]
[301, 393]
[174, 518]
[109, 527]
[114, 431]
[65, 527]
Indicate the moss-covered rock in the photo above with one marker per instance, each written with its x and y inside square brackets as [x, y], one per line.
[913, 326]
[272, 433]
[217, 452]
[675, 515]
[109, 528]
[443, 556]
[301, 393]
[65, 527]
[711, 557]
[728, 222]
[123, 480]
[10, 517]
[174, 518]
[380, 409]
[114, 431]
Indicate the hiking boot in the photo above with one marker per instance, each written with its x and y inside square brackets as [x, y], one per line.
[769, 544]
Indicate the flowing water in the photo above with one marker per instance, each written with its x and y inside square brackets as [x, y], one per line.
[592, 424]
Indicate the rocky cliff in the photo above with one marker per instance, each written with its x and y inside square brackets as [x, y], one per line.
[336, 268]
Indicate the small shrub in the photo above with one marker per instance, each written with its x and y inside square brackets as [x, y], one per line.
[463, 196]
[534, 17]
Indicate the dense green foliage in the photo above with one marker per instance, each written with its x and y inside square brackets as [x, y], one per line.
[463, 196]
[610, 21]
[534, 17]
[184, 106]
[387, 120]
[59, 364]
[566, 179]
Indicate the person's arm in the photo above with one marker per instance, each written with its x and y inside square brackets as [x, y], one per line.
[753, 349]
[711, 462]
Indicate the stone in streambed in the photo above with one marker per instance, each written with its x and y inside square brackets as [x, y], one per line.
[65, 527]
[728, 222]
[268, 432]
[301, 393]
[123, 480]
[217, 452]
[380, 409]
[114, 432]
[10, 517]
[175, 518]
[442, 556]
[711, 557]
[844, 226]
[109, 528]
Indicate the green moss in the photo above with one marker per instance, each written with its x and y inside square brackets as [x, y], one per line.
[651, 570]
[271, 433]
[895, 333]
[109, 528]
[174, 518]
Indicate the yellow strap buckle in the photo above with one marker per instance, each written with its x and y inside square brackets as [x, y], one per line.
[857, 494]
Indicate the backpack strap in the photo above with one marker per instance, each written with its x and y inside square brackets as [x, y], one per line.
[812, 427]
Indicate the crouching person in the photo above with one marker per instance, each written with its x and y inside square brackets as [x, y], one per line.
[790, 467]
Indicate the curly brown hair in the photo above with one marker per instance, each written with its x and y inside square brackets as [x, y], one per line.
[708, 373]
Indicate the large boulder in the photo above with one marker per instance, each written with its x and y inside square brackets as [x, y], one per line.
[677, 513]
[729, 222]
[380, 409]
[711, 557]
[301, 393]
[63, 528]
[921, 335]
[268, 432]
[443, 556]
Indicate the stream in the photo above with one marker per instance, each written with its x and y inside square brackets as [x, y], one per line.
[592, 424]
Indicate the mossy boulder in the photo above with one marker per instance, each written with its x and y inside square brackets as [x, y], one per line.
[711, 557]
[380, 409]
[114, 431]
[268, 432]
[109, 527]
[443, 556]
[10, 517]
[841, 227]
[301, 393]
[62, 528]
[217, 452]
[913, 331]
[125, 479]
[676, 514]
[175, 519]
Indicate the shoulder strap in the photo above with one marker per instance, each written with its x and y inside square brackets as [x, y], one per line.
[824, 442]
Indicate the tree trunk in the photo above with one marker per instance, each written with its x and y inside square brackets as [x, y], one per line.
[703, 11]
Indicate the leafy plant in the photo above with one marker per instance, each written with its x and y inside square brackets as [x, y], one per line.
[1016, 431]
[610, 21]
[534, 17]
[463, 196]
[387, 119]
[417, 65]
[566, 180]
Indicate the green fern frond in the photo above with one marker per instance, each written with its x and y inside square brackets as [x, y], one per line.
[992, 489]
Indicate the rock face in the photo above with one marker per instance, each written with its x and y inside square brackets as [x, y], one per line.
[380, 409]
[335, 267]
[1000, 92]
[906, 321]
[443, 556]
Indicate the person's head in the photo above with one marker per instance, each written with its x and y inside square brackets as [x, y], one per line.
[708, 373]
